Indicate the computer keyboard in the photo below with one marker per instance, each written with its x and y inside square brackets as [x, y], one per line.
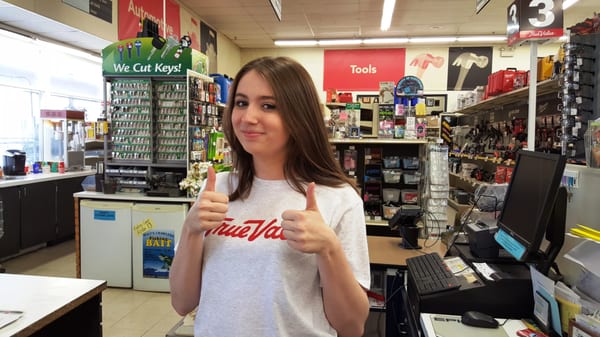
[430, 274]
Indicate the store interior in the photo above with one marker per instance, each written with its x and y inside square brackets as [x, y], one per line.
[488, 127]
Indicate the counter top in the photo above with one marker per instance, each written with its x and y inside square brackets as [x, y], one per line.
[41, 177]
[130, 197]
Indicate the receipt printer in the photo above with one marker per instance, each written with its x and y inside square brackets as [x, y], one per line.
[481, 238]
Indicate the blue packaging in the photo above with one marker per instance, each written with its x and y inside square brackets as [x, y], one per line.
[225, 83]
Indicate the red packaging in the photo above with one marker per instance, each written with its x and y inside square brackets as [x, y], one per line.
[500, 176]
[345, 97]
[509, 171]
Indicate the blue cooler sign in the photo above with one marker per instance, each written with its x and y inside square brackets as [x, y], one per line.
[534, 20]
[158, 250]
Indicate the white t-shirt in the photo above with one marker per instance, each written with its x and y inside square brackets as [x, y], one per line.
[254, 283]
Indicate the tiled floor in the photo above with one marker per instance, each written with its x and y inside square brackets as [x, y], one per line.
[126, 312]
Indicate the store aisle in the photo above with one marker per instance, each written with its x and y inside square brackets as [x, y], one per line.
[126, 312]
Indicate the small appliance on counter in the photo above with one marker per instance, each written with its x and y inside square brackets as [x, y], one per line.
[14, 163]
[63, 137]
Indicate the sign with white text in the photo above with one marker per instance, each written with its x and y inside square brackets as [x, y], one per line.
[534, 20]
[145, 57]
[362, 69]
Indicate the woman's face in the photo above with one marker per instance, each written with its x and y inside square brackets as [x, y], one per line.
[256, 120]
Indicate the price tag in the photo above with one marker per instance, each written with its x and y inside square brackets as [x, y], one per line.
[534, 20]
[143, 227]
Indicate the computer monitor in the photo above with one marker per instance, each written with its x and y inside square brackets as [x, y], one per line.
[534, 207]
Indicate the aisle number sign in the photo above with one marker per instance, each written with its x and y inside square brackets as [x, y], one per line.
[534, 20]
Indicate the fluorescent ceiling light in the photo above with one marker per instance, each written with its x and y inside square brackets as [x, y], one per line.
[339, 42]
[433, 39]
[386, 14]
[568, 3]
[296, 43]
[483, 38]
[390, 40]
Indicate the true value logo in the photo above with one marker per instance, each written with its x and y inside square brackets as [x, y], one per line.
[141, 68]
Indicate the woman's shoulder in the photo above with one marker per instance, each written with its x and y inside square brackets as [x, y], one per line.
[344, 193]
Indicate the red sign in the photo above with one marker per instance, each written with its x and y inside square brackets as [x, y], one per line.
[362, 69]
[132, 11]
[534, 20]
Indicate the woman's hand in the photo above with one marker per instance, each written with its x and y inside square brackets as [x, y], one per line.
[305, 230]
[210, 208]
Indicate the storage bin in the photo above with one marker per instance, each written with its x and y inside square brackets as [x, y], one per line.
[409, 196]
[410, 163]
[391, 194]
[411, 178]
[392, 176]
[389, 211]
[391, 162]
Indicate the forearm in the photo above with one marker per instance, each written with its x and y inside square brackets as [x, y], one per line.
[185, 275]
[345, 301]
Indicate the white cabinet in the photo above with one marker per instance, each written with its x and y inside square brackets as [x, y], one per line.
[105, 236]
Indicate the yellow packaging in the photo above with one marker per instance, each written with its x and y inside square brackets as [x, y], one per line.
[568, 310]
[545, 67]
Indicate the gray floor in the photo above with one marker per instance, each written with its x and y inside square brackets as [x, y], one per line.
[126, 312]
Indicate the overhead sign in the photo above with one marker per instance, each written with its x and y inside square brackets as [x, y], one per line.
[101, 9]
[534, 20]
[276, 4]
[362, 69]
[480, 4]
[145, 56]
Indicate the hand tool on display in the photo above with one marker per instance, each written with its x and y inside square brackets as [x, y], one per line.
[465, 61]
[422, 62]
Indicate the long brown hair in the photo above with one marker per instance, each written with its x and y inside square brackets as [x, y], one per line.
[309, 155]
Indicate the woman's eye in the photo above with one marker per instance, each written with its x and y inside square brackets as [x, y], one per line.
[241, 103]
[268, 106]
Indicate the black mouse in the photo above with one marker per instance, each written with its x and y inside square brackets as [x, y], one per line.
[478, 319]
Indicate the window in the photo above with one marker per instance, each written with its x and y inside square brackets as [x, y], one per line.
[40, 75]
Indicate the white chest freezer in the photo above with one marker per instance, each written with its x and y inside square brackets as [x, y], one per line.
[105, 237]
[155, 230]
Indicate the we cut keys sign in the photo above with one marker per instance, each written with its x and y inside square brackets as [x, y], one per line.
[362, 69]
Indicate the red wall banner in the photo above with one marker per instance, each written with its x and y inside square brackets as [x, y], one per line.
[132, 11]
[362, 69]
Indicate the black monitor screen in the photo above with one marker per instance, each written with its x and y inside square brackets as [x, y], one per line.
[529, 202]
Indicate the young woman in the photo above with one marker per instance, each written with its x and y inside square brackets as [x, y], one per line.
[278, 246]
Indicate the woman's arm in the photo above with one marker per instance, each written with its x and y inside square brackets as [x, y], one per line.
[185, 276]
[345, 301]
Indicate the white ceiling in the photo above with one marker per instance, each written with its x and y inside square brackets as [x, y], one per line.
[253, 24]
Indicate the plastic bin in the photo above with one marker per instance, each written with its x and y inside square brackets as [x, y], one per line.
[411, 178]
[410, 163]
[391, 162]
[409, 196]
[389, 211]
[392, 176]
[391, 194]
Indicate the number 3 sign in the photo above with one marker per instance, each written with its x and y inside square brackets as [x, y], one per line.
[533, 20]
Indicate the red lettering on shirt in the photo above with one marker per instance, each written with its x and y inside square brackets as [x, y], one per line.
[251, 229]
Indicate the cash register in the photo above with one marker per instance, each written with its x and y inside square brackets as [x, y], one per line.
[534, 209]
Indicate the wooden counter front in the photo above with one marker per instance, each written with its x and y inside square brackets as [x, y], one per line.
[384, 250]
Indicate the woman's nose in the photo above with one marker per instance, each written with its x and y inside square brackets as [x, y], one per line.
[251, 114]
